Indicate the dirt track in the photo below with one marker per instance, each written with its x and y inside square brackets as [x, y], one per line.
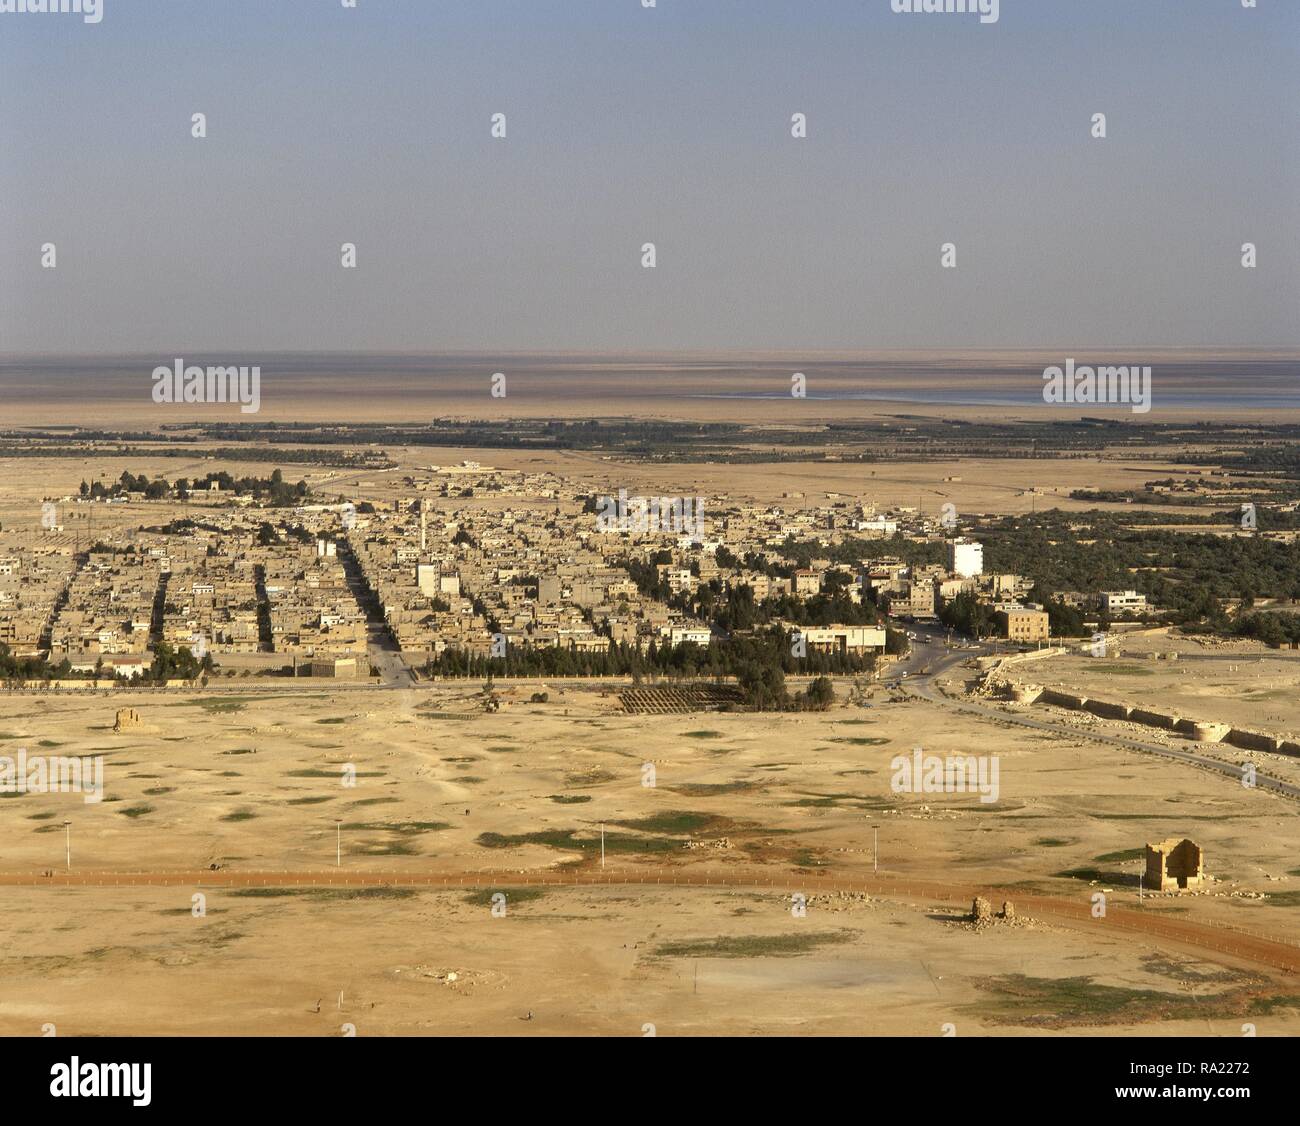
[1227, 943]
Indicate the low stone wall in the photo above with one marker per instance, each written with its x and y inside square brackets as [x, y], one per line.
[1252, 740]
[1154, 719]
[1107, 710]
[1199, 731]
[1062, 699]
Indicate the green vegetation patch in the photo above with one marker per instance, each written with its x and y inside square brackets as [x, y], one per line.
[710, 789]
[1124, 854]
[675, 821]
[1040, 1002]
[513, 895]
[136, 810]
[383, 848]
[381, 892]
[788, 945]
[568, 841]
[1121, 670]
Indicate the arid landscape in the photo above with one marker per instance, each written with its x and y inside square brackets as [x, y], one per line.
[294, 857]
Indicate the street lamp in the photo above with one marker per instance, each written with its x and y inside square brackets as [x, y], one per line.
[67, 830]
[338, 842]
[875, 849]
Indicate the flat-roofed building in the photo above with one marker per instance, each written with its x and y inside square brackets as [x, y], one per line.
[1123, 602]
[845, 639]
[1023, 624]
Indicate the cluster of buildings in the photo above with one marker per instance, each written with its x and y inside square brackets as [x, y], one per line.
[218, 587]
[34, 575]
[473, 559]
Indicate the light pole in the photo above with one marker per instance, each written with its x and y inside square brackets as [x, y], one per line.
[67, 830]
[602, 844]
[338, 842]
[875, 849]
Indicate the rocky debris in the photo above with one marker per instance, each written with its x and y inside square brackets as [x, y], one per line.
[839, 901]
[454, 978]
[982, 916]
[720, 843]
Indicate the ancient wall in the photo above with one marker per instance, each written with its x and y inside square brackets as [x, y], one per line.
[1252, 740]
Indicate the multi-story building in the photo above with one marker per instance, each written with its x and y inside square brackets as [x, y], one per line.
[1123, 602]
[1021, 623]
[965, 557]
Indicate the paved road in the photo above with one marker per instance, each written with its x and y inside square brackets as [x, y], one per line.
[381, 650]
[1163, 929]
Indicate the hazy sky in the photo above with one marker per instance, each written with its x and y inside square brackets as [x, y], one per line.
[629, 125]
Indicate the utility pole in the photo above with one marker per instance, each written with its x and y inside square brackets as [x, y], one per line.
[67, 829]
[602, 844]
[875, 849]
[338, 842]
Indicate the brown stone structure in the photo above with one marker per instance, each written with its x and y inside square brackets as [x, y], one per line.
[1175, 864]
[127, 719]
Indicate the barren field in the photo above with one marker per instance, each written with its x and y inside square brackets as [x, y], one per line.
[985, 485]
[255, 783]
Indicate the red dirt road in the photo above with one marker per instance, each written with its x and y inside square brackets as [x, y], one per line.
[1263, 951]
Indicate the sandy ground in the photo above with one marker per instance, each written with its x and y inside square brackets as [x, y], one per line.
[255, 782]
[987, 485]
[251, 779]
[1240, 683]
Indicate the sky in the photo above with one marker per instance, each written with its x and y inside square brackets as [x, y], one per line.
[628, 125]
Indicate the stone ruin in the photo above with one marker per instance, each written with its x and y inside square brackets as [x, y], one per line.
[981, 912]
[127, 720]
[1174, 865]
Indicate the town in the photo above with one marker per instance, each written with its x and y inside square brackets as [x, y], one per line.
[257, 578]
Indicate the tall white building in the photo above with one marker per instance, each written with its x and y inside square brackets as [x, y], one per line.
[965, 558]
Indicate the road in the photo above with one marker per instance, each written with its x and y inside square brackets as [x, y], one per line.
[381, 650]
